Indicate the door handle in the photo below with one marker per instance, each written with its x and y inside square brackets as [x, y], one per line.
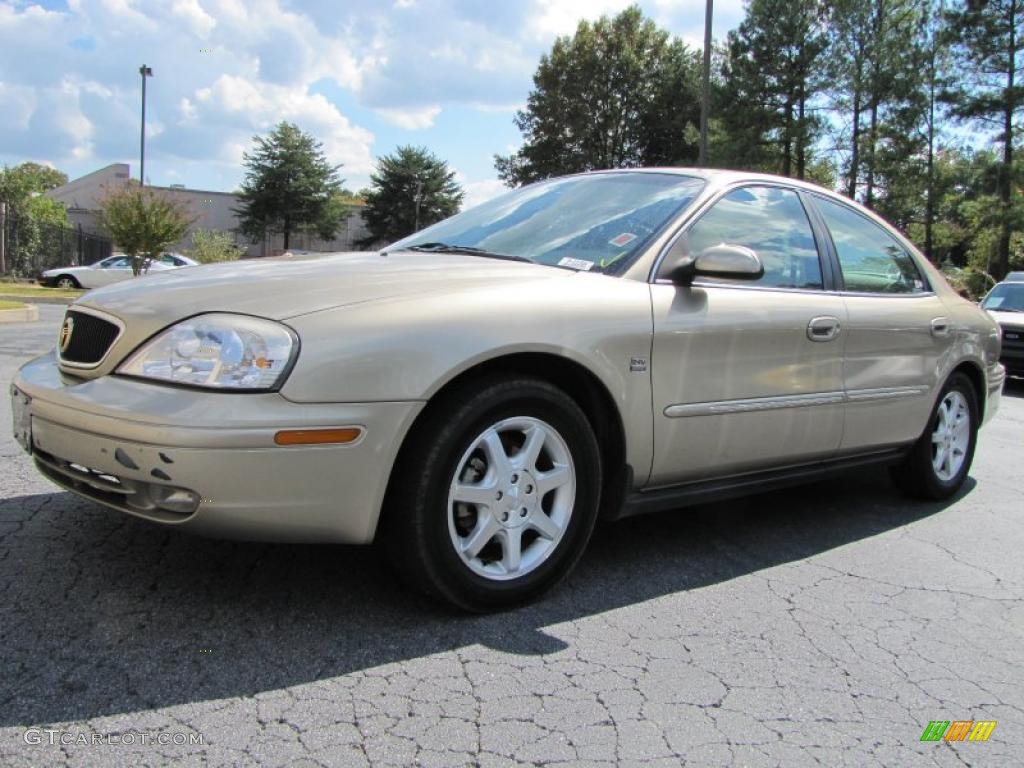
[823, 328]
[940, 327]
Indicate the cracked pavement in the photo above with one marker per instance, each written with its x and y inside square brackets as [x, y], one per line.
[825, 625]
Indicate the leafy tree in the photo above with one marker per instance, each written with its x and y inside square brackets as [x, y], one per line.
[25, 180]
[289, 187]
[29, 212]
[209, 246]
[878, 62]
[988, 40]
[772, 74]
[143, 222]
[618, 93]
[411, 189]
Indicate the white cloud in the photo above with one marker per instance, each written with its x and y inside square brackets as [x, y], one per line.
[200, 22]
[550, 18]
[225, 70]
[413, 119]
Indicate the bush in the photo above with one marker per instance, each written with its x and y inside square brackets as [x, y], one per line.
[209, 246]
[970, 282]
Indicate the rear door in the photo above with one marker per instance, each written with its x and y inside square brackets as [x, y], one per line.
[748, 376]
[897, 331]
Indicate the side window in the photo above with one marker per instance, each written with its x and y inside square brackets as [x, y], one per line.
[770, 221]
[872, 260]
[119, 263]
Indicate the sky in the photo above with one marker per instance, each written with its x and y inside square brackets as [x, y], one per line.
[362, 76]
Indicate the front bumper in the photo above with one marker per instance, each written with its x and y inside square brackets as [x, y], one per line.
[142, 448]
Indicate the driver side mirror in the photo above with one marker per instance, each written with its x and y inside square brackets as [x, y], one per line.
[732, 262]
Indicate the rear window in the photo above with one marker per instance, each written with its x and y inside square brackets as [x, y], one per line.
[871, 260]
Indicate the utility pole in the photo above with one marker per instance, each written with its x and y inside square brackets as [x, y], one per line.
[3, 241]
[145, 72]
[418, 199]
[705, 90]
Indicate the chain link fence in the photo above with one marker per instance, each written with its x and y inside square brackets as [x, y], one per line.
[28, 247]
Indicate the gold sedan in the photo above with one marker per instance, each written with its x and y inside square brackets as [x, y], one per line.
[479, 394]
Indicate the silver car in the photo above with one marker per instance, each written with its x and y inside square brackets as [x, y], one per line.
[112, 269]
[479, 394]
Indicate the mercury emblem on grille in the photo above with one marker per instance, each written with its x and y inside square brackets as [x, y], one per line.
[65, 333]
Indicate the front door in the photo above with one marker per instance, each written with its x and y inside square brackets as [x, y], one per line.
[748, 376]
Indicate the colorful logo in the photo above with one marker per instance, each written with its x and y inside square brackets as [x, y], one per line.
[958, 730]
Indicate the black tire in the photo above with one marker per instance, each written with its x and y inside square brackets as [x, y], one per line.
[66, 282]
[916, 475]
[415, 528]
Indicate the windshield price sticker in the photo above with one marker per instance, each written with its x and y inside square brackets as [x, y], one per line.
[580, 264]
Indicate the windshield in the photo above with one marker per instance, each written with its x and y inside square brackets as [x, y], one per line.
[592, 222]
[1005, 297]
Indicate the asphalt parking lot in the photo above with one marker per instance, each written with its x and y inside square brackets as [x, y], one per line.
[822, 626]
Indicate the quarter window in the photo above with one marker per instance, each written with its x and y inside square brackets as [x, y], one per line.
[772, 222]
[872, 260]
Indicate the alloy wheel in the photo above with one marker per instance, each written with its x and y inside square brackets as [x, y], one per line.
[511, 498]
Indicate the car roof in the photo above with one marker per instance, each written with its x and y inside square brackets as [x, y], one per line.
[1014, 277]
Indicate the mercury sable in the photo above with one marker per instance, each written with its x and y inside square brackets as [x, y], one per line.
[479, 394]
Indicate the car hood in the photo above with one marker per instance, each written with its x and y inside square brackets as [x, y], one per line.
[288, 286]
[1007, 318]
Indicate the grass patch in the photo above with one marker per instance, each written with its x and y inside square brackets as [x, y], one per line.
[28, 289]
[4, 304]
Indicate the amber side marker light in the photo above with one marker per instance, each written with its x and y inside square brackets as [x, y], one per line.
[317, 436]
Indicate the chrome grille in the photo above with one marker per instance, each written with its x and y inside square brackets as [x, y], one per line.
[89, 339]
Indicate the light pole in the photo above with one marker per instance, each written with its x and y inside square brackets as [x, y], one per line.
[145, 72]
[705, 89]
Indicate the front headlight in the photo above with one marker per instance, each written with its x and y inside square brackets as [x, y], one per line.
[219, 351]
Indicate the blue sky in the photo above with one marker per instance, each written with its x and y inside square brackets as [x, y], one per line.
[363, 76]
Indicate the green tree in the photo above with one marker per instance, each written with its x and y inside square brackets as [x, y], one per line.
[618, 93]
[772, 74]
[209, 246]
[410, 189]
[143, 222]
[30, 214]
[988, 41]
[289, 187]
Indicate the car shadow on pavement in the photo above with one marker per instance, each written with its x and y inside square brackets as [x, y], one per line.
[104, 614]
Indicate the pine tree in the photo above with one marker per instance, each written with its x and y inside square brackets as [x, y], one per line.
[411, 189]
[988, 40]
[289, 187]
[771, 76]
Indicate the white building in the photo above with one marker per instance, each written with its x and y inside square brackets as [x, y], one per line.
[212, 210]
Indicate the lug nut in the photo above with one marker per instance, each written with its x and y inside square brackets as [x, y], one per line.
[523, 512]
[498, 495]
[515, 478]
[529, 489]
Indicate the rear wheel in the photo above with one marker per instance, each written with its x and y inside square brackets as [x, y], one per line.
[495, 499]
[937, 465]
[67, 282]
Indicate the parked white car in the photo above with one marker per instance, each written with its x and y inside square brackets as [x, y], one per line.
[112, 269]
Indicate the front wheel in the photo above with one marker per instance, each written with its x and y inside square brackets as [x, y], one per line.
[495, 498]
[937, 465]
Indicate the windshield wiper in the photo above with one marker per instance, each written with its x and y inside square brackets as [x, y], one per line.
[467, 249]
[1004, 309]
